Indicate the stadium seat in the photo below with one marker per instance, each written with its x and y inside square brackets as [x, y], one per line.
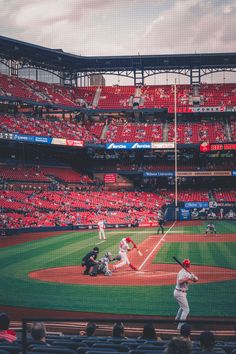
[117, 347]
[53, 350]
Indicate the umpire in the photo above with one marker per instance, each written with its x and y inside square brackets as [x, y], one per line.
[90, 260]
[161, 223]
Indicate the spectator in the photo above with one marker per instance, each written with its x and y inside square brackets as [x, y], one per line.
[149, 332]
[185, 331]
[178, 346]
[118, 330]
[38, 332]
[207, 342]
[6, 334]
[89, 330]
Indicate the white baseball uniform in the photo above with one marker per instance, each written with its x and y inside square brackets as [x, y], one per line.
[101, 228]
[180, 294]
[123, 250]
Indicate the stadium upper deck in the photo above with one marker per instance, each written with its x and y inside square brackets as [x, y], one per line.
[211, 97]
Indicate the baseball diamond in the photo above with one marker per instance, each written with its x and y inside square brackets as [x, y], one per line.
[49, 265]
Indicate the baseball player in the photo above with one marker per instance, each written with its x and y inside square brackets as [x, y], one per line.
[124, 248]
[101, 228]
[89, 260]
[210, 228]
[161, 222]
[102, 267]
[180, 292]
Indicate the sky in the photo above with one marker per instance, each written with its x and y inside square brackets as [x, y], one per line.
[123, 27]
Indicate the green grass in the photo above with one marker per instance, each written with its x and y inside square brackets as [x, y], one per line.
[218, 254]
[69, 248]
[222, 227]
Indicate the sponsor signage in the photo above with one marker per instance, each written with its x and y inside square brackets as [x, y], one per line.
[27, 138]
[224, 146]
[207, 109]
[190, 205]
[184, 214]
[158, 174]
[203, 173]
[41, 139]
[127, 146]
[77, 143]
[162, 145]
[140, 145]
[234, 173]
[110, 178]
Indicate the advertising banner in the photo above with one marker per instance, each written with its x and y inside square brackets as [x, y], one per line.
[158, 174]
[184, 214]
[110, 178]
[128, 146]
[189, 205]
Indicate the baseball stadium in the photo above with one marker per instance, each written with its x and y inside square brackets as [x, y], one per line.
[142, 174]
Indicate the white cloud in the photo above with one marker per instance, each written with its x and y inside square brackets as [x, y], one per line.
[192, 25]
[122, 27]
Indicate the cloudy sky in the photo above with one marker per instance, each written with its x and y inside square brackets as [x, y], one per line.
[122, 27]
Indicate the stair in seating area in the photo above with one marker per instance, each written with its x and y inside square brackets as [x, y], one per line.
[97, 97]
[40, 94]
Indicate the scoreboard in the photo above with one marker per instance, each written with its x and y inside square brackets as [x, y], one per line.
[223, 146]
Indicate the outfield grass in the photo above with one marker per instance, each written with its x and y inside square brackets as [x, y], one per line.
[213, 299]
[218, 254]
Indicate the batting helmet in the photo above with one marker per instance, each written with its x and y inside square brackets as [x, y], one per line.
[186, 263]
[128, 239]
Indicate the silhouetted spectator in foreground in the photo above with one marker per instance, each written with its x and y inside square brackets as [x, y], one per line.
[207, 342]
[178, 346]
[118, 330]
[6, 334]
[89, 330]
[149, 332]
[38, 332]
[185, 331]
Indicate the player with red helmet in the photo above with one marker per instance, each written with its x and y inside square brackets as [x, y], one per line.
[180, 292]
[124, 248]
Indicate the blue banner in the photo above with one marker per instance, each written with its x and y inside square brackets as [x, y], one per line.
[184, 214]
[22, 137]
[234, 173]
[32, 138]
[158, 174]
[190, 205]
[128, 146]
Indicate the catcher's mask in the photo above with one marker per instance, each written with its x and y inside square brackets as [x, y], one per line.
[186, 263]
[108, 255]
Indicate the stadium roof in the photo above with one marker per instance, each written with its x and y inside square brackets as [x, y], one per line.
[56, 59]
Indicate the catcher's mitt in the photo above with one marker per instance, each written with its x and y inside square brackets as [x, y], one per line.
[117, 258]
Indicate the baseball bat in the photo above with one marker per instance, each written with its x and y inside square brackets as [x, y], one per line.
[139, 252]
[176, 260]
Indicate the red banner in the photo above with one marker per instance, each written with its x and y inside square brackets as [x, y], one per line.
[110, 178]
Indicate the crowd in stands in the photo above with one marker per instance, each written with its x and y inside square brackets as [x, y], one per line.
[88, 341]
[42, 196]
[117, 97]
[51, 128]
[190, 132]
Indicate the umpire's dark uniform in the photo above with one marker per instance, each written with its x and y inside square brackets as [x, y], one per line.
[89, 260]
[161, 223]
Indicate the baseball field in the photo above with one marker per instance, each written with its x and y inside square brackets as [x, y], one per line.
[43, 272]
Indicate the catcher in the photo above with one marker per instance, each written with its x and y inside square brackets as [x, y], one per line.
[102, 266]
[210, 229]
